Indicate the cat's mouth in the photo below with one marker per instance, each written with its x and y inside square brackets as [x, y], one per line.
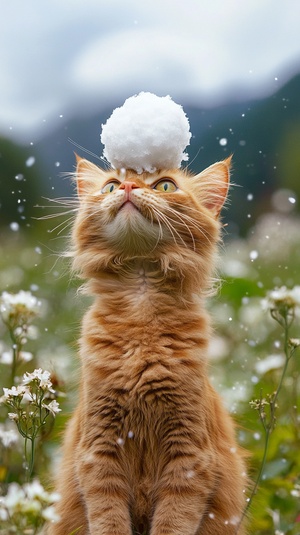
[129, 206]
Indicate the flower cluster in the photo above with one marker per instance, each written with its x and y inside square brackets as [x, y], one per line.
[283, 304]
[8, 437]
[28, 505]
[22, 305]
[17, 312]
[282, 297]
[35, 394]
[30, 405]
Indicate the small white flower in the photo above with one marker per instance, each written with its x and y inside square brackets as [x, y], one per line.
[6, 357]
[272, 362]
[8, 437]
[13, 416]
[50, 514]
[11, 304]
[35, 490]
[53, 407]
[295, 293]
[25, 356]
[282, 297]
[13, 392]
[3, 512]
[42, 376]
[294, 342]
[14, 498]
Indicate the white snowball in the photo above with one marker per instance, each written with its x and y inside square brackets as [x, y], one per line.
[147, 133]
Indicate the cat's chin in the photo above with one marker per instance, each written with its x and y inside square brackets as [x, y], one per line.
[129, 207]
[130, 232]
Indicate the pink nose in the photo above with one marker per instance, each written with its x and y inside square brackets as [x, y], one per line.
[128, 186]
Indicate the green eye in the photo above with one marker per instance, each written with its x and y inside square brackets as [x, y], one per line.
[166, 186]
[110, 186]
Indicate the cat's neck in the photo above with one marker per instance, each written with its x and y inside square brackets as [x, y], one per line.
[141, 303]
[142, 285]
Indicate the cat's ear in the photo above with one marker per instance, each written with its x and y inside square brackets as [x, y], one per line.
[212, 185]
[87, 175]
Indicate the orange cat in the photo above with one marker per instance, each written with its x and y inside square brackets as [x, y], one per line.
[150, 448]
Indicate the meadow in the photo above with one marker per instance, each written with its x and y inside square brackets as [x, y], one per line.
[254, 364]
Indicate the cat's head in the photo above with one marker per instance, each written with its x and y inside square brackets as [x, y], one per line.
[169, 217]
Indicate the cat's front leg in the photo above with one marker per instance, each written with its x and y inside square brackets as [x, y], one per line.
[182, 496]
[106, 493]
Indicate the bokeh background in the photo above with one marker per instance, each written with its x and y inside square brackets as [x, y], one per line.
[235, 68]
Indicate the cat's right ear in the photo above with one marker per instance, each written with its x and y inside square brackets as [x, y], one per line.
[212, 185]
[87, 175]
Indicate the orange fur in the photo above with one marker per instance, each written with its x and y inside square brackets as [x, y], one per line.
[150, 448]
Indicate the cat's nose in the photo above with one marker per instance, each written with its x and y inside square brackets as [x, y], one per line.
[128, 185]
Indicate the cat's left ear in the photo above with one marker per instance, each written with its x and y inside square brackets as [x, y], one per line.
[87, 175]
[212, 185]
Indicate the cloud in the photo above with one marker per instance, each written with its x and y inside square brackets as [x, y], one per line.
[65, 57]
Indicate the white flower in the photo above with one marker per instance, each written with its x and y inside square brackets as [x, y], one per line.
[42, 376]
[13, 392]
[295, 293]
[25, 356]
[14, 498]
[3, 512]
[13, 416]
[11, 304]
[8, 437]
[31, 498]
[282, 297]
[296, 491]
[272, 362]
[294, 342]
[7, 357]
[50, 514]
[53, 407]
[35, 490]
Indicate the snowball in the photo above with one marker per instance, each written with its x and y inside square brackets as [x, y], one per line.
[146, 133]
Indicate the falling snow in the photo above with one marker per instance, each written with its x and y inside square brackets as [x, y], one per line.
[14, 226]
[30, 161]
[223, 141]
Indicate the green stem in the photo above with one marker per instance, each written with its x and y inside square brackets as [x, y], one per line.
[14, 362]
[258, 479]
[30, 460]
[31, 464]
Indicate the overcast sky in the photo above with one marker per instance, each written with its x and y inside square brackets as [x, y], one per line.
[60, 57]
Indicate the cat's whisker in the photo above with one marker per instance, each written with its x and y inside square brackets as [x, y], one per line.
[65, 223]
[161, 217]
[182, 223]
[52, 216]
[169, 225]
[65, 201]
[192, 221]
[87, 151]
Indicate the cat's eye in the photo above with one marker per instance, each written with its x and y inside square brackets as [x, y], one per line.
[165, 185]
[110, 186]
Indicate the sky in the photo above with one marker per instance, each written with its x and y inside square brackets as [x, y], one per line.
[60, 58]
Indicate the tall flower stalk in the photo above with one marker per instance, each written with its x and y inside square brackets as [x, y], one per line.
[282, 305]
[17, 312]
[32, 404]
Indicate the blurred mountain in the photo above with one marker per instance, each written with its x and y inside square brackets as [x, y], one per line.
[263, 136]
